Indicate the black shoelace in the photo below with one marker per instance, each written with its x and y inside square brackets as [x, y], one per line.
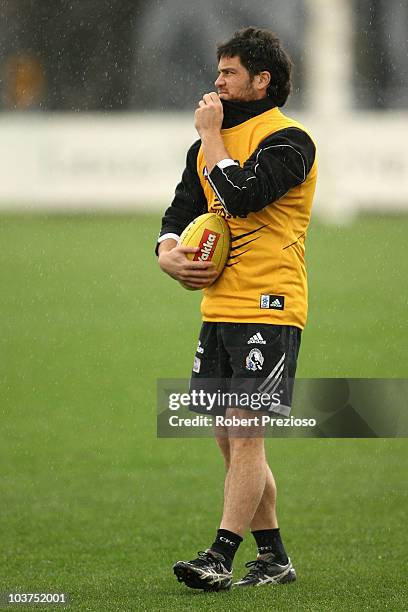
[260, 567]
[204, 558]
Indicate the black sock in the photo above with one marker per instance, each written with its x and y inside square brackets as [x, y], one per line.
[227, 544]
[269, 541]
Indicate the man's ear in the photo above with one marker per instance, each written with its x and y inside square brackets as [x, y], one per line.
[263, 79]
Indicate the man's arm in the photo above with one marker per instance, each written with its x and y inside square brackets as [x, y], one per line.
[208, 122]
[281, 161]
[188, 203]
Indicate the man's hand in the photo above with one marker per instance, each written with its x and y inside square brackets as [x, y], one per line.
[208, 123]
[209, 114]
[193, 274]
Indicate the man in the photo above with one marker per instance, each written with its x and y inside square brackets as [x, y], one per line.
[256, 167]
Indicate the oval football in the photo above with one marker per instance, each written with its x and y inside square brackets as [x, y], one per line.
[209, 232]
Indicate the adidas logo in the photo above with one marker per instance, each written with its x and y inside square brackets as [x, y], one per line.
[272, 301]
[256, 339]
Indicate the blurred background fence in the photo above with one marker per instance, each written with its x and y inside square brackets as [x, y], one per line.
[97, 97]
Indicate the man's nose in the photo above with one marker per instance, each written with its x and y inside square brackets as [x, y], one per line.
[219, 80]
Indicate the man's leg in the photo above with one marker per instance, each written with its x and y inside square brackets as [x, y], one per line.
[246, 477]
[272, 565]
[212, 570]
[221, 437]
[265, 515]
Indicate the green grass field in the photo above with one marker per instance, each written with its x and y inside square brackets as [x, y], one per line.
[93, 504]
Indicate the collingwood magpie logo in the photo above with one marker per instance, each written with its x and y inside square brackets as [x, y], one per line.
[254, 360]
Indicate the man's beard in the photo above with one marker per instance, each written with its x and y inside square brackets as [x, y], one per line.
[249, 94]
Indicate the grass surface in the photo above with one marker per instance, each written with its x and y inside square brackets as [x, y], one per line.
[94, 505]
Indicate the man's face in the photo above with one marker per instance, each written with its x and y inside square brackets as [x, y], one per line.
[234, 81]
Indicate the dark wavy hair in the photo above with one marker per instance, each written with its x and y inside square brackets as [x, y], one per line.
[261, 50]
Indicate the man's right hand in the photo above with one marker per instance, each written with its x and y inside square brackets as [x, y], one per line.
[193, 274]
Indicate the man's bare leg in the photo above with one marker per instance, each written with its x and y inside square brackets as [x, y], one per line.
[245, 480]
[221, 436]
[265, 514]
[272, 565]
[249, 500]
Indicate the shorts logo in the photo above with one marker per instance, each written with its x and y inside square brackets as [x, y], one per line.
[254, 360]
[197, 365]
[200, 348]
[256, 339]
[274, 302]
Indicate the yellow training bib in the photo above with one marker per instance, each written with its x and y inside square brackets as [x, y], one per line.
[265, 278]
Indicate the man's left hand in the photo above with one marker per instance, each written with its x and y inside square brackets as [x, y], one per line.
[209, 114]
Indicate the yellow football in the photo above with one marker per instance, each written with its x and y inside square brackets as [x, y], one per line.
[209, 232]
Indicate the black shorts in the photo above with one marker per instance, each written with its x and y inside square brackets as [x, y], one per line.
[246, 358]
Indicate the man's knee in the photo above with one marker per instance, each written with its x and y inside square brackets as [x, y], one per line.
[246, 432]
[246, 447]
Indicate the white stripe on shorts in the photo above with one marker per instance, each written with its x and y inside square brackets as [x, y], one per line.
[267, 382]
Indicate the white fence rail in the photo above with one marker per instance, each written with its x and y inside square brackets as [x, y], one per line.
[133, 162]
